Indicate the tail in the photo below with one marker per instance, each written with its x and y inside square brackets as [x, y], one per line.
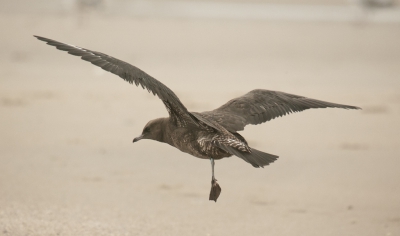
[258, 159]
[255, 158]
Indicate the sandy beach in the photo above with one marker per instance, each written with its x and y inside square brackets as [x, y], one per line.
[68, 165]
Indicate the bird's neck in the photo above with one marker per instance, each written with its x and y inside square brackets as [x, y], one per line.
[169, 129]
[166, 128]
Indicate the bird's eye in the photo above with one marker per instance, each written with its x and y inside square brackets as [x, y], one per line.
[146, 130]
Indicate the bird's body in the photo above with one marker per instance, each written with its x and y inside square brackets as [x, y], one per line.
[190, 139]
[211, 134]
[196, 142]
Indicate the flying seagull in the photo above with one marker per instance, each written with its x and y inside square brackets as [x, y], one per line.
[209, 135]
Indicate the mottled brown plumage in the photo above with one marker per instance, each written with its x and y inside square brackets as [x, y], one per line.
[207, 135]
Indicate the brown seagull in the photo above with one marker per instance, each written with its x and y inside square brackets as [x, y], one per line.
[212, 134]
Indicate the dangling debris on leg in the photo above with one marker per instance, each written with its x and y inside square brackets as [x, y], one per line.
[215, 188]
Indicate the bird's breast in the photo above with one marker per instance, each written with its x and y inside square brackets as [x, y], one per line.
[197, 143]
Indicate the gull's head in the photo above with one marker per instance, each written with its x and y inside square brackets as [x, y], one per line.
[154, 130]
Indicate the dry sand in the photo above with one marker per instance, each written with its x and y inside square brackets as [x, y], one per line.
[68, 167]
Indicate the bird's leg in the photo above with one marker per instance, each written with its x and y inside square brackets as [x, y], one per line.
[212, 167]
[215, 188]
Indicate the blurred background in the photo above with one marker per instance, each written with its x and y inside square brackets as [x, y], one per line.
[67, 162]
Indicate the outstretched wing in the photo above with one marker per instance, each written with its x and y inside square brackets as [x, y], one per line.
[177, 111]
[259, 106]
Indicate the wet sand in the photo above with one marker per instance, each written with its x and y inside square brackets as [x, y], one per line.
[68, 166]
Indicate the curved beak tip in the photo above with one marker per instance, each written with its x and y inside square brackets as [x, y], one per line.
[137, 139]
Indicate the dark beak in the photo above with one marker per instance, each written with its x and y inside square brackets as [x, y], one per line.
[138, 138]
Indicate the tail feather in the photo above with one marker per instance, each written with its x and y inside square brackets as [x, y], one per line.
[255, 158]
[262, 157]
